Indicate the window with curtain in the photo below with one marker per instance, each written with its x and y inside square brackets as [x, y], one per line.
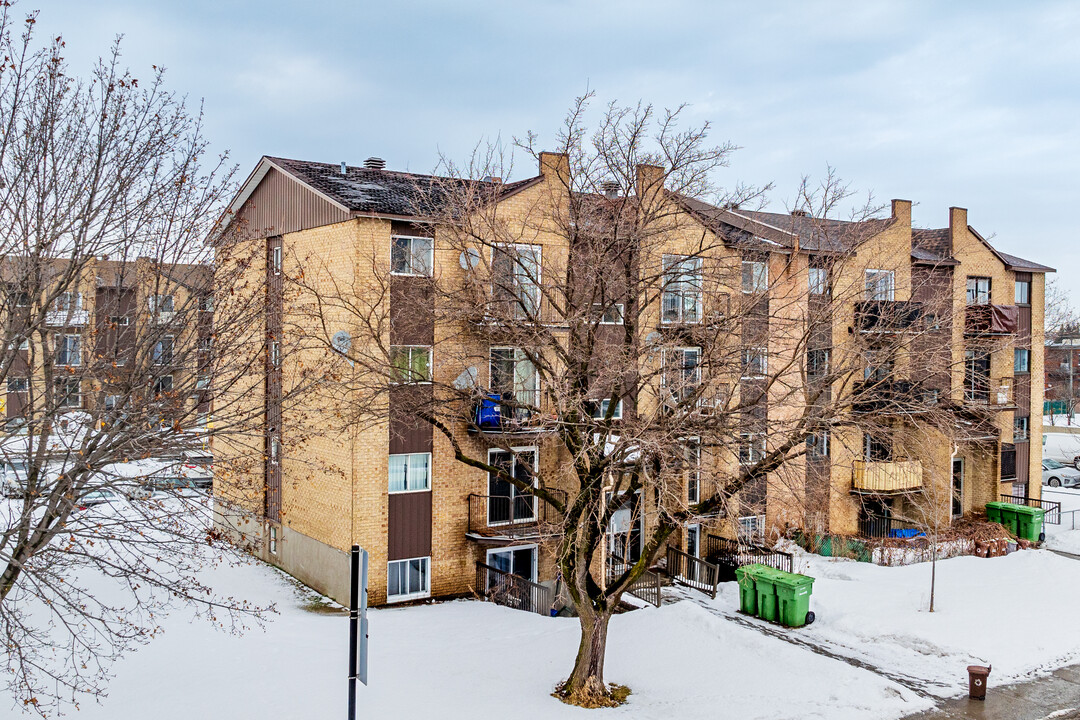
[880, 285]
[515, 278]
[411, 255]
[410, 472]
[681, 301]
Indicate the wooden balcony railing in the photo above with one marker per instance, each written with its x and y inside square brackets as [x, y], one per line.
[692, 571]
[886, 477]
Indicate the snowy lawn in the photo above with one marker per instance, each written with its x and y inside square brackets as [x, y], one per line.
[469, 659]
[1066, 536]
[998, 611]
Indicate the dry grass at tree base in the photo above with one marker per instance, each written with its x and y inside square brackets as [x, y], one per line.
[588, 698]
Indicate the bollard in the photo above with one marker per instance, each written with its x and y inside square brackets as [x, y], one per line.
[977, 675]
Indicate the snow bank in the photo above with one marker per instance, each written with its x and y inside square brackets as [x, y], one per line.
[1066, 536]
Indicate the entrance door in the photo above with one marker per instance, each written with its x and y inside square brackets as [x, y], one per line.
[625, 530]
[506, 503]
[957, 487]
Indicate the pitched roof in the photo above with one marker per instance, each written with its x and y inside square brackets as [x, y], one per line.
[1018, 263]
[924, 256]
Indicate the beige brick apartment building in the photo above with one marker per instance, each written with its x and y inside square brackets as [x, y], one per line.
[394, 487]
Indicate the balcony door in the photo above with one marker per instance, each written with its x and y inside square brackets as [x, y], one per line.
[625, 536]
[506, 503]
[957, 487]
[520, 561]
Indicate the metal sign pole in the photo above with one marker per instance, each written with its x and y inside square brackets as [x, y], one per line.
[358, 623]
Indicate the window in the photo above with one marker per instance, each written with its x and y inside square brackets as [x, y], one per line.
[755, 362]
[514, 379]
[613, 315]
[1021, 360]
[163, 385]
[692, 455]
[202, 382]
[163, 351]
[275, 259]
[693, 541]
[411, 255]
[1021, 428]
[599, 410]
[120, 320]
[275, 354]
[111, 401]
[819, 281]
[18, 384]
[751, 448]
[410, 473]
[206, 303]
[876, 448]
[160, 304]
[880, 285]
[206, 344]
[755, 276]
[1023, 292]
[68, 352]
[682, 372]
[751, 528]
[21, 299]
[977, 376]
[507, 502]
[272, 543]
[817, 445]
[681, 301]
[817, 362]
[275, 450]
[978, 291]
[515, 278]
[68, 302]
[879, 367]
[520, 561]
[408, 579]
[21, 344]
[411, 364]
[68, 392]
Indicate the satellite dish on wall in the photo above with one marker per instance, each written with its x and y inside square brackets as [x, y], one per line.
[653, 338]
[342, 341]
[470, 258]
[467, 379]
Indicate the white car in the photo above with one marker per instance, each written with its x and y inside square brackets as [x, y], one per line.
[1057, 474]
[1063, 447]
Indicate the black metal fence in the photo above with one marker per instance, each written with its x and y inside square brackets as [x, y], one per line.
[512, 590]
[878, 526]
[646, 587]
[691, 571]
[1052, 507]
[727, 555]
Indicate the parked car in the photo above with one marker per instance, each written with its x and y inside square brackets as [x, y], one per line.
[97, 497]
[1057, 474]
[1062, 446]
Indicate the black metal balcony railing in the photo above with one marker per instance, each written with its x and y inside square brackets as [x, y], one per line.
[984, 392]
[991, 319]
[692, 571]
[886, 396]
[513, 591]
[519, 516]
[727, 555]
[877, 526]
[646, 587]
[886, 316]
[502, 414]
[1052, 507]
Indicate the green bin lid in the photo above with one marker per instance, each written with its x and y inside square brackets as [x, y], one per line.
[794, 580]
[997, 505]
[1025, 510]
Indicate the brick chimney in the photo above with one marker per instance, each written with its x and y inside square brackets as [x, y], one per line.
[649, 181]
[958, 223]
[555, 166]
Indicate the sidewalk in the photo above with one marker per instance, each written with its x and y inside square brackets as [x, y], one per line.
[1056, 696]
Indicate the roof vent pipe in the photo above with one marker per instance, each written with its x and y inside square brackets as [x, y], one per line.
[375, 163]
[343, 167]
[610, 188]
[800, 213]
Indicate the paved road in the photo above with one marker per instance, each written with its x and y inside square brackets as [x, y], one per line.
[1056, 696]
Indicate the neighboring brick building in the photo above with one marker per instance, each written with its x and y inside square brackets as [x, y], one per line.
[1063, 371]
[305, 489]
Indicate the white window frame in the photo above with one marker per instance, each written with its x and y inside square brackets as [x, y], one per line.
[694, 530]
[110, 402]
[120, 320]
[823, 367]
[68, 303]
[160, 381]
[77, 396]
[513, 548]
[275, 450]
[873, 287]
[520, 356]
[599, 409]
[818, 280]
[415, 595]
[408, 488]
[758, 278]
[1026, 299]
[159, 347]
[158, 302]
[67, 351]
[275, 354]
[606, 317]
[1017, 354]
[427, 264]
[272, 539]
[517, 288]
[692, 453]
[277, 254]
[762, 354]
[515, 454]
[751, 528]
[1022, 431]
[817, 445]
[754, 444]
[25, 384]
[974, 295]
[409, 350]
[683, 387]
[682, 279]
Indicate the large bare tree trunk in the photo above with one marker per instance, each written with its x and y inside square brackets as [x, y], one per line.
[586, 686]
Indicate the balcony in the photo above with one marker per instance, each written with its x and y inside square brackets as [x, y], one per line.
[994, 395]
[983, 320]
[67, 318]
[503, 415]
[501, 518]
[886, 316]
[885, 396]
[885, 478]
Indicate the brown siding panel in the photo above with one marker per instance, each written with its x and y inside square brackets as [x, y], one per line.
[409, 525]
[412, 311]
[1023, 461]
[409, 434]
[282, 205]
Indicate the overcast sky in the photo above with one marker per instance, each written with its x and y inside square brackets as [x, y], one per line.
[975, 104]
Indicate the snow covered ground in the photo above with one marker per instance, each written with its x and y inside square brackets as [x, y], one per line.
[1066, 536]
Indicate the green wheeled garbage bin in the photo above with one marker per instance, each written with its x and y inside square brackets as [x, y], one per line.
[747, 588]
[793, 598]
[1029, 522]
[765, 583]
[993, 511]
[1009, 517]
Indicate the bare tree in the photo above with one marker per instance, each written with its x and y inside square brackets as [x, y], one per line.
[110, 342]
[608, 316]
